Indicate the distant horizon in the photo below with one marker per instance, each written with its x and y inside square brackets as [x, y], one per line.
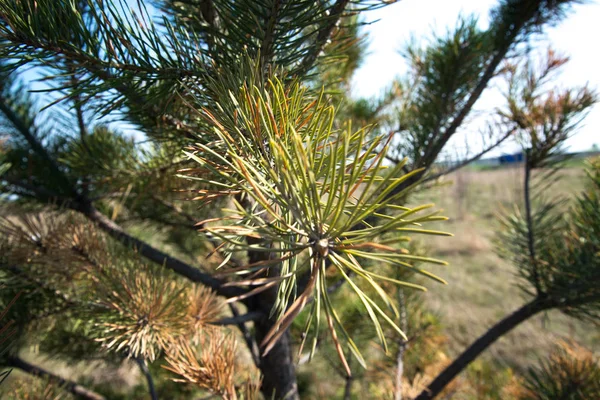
[397, 23]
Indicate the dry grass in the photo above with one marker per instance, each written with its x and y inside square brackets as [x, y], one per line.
[483, 288]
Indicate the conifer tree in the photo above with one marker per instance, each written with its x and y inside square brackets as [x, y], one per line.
[259, 188]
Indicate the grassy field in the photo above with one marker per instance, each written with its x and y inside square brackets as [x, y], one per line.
[482, 287]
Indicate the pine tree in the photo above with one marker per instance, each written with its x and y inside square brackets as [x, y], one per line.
[260, 189]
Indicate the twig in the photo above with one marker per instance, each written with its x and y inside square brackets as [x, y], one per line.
[237, 318]
[402, 345]
[470, 160]
[482, 343]
[146, 372]
[67, 385]
[530, 233]
[153, 254]
[240, 320]
[334, 16]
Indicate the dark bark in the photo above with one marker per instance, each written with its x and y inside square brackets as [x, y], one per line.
[348, 388]
[277, 367]
[67, 385]
[146, 372]
[481, 344]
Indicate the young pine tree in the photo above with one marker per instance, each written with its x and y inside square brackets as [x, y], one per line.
[252, 197]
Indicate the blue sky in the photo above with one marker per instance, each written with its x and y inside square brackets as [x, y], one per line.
[576, 37]
[394, 25]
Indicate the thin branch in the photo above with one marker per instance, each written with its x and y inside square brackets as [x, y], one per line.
[70, 386]
[334, 16]
[248, 338]
[101, 69]
[530, 233]
[402, 346]
[146, 372]
[36, 146]
[348, 387]
[153, 254]
[39, 192]
[83, 205]
[238, 318]
[177, 210]
[488, 74]
[481, 344]
[470, 160]
[266, 48]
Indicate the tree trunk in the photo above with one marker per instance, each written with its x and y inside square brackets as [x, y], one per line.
[477, 347]
[277, 368]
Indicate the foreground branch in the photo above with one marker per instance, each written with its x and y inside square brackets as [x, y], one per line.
[70, 386]
[480, 345]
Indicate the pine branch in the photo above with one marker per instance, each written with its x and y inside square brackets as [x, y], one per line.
[33, 142]
[37, 192]
[153, 254]
[70, 386]
[250, 342]
[514, 21]
[402, 346]
[80, 203]
[266, 47]
[529, 221]
[238, 318]
[433, 151]
[335, 13]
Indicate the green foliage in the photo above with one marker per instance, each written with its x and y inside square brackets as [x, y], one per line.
[450, 73]
[284, 34]
[113, 45]
[310, 187]
[444, 74]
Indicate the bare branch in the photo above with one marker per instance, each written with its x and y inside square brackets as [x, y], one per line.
[68, 385]
[240, 321]
[83, 205]
[481, 344]
[470, 160]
